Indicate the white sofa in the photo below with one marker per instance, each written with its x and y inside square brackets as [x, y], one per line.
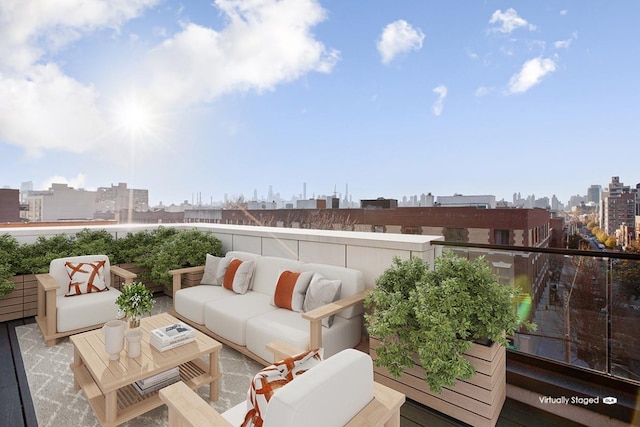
[340, 391]
[247, 322]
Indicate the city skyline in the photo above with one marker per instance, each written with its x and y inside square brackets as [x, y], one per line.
[394, 100]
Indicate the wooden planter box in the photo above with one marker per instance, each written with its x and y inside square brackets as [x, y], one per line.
[188, 280]
[23, 301]
[476, 401]
[132, 267]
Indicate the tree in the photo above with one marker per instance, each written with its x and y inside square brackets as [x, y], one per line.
[627, 273]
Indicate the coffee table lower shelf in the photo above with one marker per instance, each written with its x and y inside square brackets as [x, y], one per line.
[130, 403]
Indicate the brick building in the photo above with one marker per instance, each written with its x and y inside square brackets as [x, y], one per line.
[9, 205]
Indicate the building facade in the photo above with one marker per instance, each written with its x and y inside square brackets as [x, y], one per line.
[61, 203]
[119, 197]
[618, 206]
[9, 205]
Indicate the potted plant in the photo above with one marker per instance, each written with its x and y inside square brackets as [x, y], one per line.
[134, 301]
[425, 320]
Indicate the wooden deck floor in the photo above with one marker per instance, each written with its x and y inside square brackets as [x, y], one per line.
[17, 409]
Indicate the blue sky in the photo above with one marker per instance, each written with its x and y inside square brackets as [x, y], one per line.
[393, 98]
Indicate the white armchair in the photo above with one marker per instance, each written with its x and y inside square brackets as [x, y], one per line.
[59, 315]
[340, 391]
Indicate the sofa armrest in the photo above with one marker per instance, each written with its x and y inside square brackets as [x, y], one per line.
[281, 350]
[186, 408]
[177, 276]
[126, 275]
[315, 316]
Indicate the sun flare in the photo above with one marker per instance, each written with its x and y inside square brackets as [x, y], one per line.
[134, 117]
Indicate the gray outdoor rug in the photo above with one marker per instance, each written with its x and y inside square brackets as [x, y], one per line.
[58, 404]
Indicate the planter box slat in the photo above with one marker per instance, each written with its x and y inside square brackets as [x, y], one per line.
[477, 401]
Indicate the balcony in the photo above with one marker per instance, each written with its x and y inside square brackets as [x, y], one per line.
[587, 343]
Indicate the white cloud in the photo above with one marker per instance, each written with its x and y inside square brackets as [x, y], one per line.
[564, 44]
[398, 37]
[49, 110]
[531, 73]
[508, 21]
[75, 182]
[30, 28]
[263, 44]
[438, 106]
[564, 12]
[482, 91]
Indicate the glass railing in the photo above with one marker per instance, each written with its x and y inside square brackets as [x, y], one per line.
[586, 304]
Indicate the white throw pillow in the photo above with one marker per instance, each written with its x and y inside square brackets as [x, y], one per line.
[322, 291]
[210, 276]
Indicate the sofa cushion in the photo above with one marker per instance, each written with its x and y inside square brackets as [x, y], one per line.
[229, 318]
[91, 309]
[210, 275]
[322, 291]
[291, 289]
[329, 394]
[238, 275]
[85, 277]
[290, 327]
[266, 382]
[267, 271]
[190, 302]
[352, 283]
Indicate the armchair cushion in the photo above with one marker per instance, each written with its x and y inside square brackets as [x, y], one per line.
[273, 377]
[92, 309]
[85, 277]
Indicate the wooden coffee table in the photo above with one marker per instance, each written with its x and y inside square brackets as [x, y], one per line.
[108, 383]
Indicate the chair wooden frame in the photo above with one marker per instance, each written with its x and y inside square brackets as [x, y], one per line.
[47, 307]
[188, 409]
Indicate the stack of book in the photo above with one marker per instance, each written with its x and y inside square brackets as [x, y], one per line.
[157, 381]
[171, 336]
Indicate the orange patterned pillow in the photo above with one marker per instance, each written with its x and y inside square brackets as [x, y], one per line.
[273, 377]
[291, 289]
[85, 277]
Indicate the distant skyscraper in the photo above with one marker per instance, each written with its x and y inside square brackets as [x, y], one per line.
[593, 194]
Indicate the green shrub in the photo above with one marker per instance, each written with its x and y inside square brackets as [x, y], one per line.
[175, 250]
[94, 242]
[435, 314]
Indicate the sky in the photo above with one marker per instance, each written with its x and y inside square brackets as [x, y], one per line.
[388, 98]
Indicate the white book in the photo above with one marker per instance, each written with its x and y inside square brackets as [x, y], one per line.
[172, 332]
[154, 379]
[161, 343]
[174, 345]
